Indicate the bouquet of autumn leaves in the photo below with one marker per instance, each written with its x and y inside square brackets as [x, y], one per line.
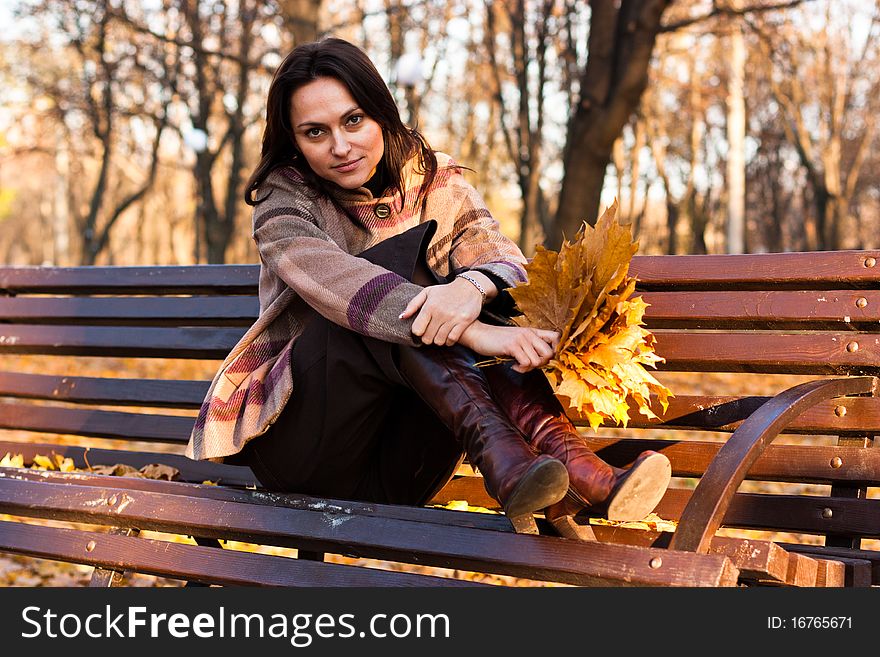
[584, 292]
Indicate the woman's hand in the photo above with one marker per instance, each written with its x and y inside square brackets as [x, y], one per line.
[444, 311]
[530, 347]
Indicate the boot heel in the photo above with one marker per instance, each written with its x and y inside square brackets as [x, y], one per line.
[566, 527]
[524, 523]
[543, 484]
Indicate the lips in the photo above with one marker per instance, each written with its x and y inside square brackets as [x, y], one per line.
[345, 167]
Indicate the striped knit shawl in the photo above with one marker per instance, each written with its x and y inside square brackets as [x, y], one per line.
[308, 246]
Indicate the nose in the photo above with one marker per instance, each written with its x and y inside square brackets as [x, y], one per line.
[340, 146]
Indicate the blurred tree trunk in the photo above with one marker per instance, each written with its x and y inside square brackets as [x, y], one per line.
[215, 97]
[523, 126]
[621, 43]
[301, 20]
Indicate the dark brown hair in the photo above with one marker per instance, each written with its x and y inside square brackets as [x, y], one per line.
[339, 59]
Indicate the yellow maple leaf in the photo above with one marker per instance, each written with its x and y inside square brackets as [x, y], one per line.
[12, 461]
[64, 464]
[584, 292]
[462, 505]
[43, 462]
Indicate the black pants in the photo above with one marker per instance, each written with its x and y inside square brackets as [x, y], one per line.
[353, 429]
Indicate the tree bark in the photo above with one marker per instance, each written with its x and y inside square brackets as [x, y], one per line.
[301, 20]
[621, 43]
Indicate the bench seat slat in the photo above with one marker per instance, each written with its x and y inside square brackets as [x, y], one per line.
[134, 311]
[789, 513]
[760, 560]
[487, 521]
[541, 557]
[865, 563]
[201, 564]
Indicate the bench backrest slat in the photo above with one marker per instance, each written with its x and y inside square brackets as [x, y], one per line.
[131, 311]
[817, 310]
[86, 458]
[95, 390]
[775, 271]
[831, 352]
[189, 279]
[95, 423]
[147, 342]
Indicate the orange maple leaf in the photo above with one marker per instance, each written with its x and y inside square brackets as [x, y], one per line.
[584, 292]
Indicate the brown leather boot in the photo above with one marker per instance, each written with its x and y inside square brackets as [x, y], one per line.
[523, 481]
[622, 494]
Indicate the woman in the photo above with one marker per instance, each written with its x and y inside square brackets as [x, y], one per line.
[358, 379]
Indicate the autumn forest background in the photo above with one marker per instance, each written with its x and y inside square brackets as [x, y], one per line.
[127, 129]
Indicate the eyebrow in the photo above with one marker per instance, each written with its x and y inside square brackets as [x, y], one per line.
[345, 115]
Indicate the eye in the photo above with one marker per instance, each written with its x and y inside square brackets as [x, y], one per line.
[313, 132]
[355, 119]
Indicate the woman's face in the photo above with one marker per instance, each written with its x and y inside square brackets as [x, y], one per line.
[338, 140]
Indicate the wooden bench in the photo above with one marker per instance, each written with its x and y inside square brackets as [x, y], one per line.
[812, 318]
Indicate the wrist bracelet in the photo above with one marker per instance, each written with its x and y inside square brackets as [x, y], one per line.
[473, 281]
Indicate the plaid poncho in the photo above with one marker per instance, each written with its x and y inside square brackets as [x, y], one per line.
[307, 248]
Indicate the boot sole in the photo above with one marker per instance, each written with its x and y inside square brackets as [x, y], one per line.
[642, 490]
[543, 484]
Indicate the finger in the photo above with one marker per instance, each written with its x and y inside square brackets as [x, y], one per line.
[532, 355]
[442, 334]
[455, 333]
[544, 350]
[523, 362]
[415, 303]
[550, 337]
[420, 324]
[430, 332]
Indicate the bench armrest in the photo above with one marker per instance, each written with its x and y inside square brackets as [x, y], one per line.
[707, 506]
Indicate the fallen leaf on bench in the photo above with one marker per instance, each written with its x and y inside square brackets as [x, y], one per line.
[158, 471]
[583, 292]
[64, 464]
[44, 462]
[462, 505]
[651, 522]
[117, 470]
[152, 471]
[55, 462]
[12, 461]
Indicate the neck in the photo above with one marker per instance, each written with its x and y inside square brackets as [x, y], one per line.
[378, 183]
